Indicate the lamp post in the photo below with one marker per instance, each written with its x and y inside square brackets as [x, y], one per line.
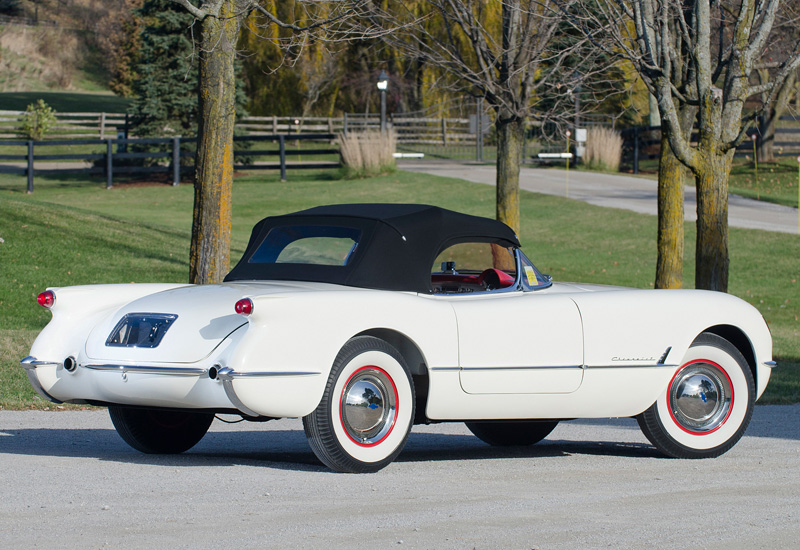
[383, 83]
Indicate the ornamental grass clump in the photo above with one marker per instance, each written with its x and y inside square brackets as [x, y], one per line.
[603, 149]
[366, 154]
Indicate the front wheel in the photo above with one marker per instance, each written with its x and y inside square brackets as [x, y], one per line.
[707, 405]
[367, 410]
[506, 433]
[156, 431]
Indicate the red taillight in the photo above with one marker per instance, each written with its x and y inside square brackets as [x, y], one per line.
[47, 299]
[244, 306]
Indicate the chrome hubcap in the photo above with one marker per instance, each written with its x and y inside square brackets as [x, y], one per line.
[368, 406]
[700, 397]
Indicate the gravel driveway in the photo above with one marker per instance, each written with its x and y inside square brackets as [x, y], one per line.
[70, 482]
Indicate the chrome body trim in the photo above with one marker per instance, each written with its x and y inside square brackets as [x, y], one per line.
[551, 367]
[522, 368]
[144, 369]
[639, 366]
[30, 363]
[770, 364]
[228, 373]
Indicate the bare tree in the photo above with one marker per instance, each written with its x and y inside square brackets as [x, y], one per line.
[512, 54]
[724, 42]
[786, 33]
[220, 22]
[768, 122]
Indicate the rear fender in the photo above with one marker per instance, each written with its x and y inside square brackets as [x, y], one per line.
[78, 309]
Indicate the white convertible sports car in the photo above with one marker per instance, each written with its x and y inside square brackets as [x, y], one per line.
[366, 319]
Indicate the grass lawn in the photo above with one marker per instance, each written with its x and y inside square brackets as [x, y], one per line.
[73, 231]
[776, 182]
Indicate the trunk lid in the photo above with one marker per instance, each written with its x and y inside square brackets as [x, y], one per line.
[181, 325]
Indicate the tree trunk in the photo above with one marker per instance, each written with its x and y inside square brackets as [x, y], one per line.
[213, 188]
[510, 138]
[711, 178]
[669, 266]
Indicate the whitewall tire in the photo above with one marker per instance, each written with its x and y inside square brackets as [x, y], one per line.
[366, 412]
[707, 405]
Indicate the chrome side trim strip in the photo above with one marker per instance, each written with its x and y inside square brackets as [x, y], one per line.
[521, 368]
[142, 369]
[770, 364]
[228, 374]
[646, 366]
[550, 367]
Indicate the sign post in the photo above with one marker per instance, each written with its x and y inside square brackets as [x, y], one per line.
[568, 134]
[755, 160]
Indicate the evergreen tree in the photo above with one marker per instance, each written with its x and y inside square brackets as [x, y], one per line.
[165, 92]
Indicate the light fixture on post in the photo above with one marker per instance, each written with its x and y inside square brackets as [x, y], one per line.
[383, 83]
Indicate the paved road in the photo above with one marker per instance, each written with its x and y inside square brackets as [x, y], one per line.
[70, 482]
[616, 191]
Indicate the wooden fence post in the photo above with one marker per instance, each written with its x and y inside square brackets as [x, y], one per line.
[30, 167]
[109, 163]
[444, 132]
[102, 125]
[176, 160]
[283, 157]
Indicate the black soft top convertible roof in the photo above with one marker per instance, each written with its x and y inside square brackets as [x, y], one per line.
[398, 245]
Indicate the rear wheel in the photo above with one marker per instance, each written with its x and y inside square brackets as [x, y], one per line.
[506, 433]
[156, 431]
[366, 413]
[707, 405]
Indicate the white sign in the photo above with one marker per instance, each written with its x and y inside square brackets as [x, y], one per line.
[580, 135]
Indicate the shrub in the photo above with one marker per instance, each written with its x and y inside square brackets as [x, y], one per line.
[603, 149]
[367, 154]
[38, 119]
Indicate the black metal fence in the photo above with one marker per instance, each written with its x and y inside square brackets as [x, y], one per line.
[162, 155]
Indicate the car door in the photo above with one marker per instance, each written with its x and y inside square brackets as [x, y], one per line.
[515, 336]
[519, 342]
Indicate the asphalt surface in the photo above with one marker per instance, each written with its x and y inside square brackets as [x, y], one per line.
[615, 191]
[70, 482]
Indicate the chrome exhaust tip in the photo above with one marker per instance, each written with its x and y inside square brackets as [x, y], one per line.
[70, 364]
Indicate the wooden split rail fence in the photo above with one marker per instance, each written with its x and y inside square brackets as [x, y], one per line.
[438, 131]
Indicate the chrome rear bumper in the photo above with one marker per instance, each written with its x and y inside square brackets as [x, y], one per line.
[30, 363]
[224, 375]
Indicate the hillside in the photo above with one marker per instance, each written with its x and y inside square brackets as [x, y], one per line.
[61, 53]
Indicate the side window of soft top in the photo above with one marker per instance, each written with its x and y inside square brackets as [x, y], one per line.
[473, 267]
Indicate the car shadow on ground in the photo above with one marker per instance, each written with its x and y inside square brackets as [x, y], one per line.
[287, 449]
